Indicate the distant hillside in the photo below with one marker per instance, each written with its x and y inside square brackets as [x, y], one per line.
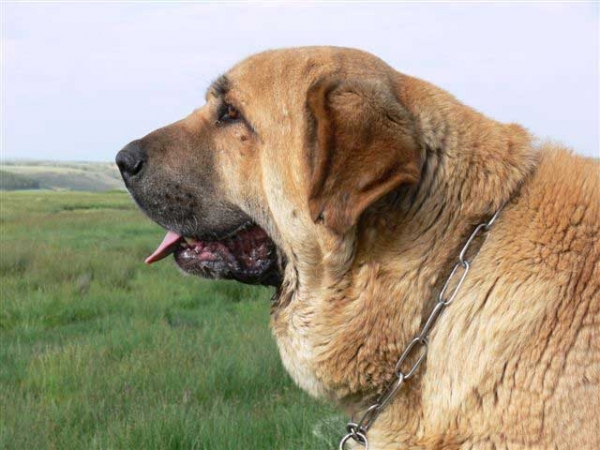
[12, 182]
[72, 176]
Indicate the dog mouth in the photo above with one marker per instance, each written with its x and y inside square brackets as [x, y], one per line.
[247, 255]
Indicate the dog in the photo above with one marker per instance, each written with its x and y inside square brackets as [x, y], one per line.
[352, 188]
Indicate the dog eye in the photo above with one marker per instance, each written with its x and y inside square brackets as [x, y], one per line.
[228, 114]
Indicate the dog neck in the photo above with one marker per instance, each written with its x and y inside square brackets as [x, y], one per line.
[356, 308]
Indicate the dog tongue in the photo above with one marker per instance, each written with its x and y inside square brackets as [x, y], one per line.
[166, 247]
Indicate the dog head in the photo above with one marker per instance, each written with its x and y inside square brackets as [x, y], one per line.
[289, 150]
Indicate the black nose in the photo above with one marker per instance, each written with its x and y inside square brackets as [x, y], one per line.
[131, 160]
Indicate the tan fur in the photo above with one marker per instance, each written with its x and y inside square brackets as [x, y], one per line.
[514, 362]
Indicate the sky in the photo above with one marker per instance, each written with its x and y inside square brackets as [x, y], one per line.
[80, 80]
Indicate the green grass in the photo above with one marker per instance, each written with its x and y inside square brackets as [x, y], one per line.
[100, 351]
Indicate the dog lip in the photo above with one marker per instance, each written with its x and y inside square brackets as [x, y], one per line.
[192, 238]
[243, 227]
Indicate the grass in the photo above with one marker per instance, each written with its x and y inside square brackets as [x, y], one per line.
[101, 352]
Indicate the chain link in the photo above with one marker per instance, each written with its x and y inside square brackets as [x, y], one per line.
[357, 431]
[415, 343]
[465, 270]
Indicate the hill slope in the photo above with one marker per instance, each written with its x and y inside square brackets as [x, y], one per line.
[72, 176]
[10, 181]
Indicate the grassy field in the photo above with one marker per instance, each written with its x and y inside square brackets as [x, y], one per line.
[101, 352]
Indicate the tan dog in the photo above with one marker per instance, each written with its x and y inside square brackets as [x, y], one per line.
[352, 188]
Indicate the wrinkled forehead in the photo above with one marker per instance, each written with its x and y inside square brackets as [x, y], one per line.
[290, 72]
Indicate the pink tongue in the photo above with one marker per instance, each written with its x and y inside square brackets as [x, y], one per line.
[166, 247]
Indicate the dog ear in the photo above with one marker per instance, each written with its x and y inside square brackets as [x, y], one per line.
[364, 146]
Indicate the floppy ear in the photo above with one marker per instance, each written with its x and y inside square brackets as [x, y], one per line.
[364, 147]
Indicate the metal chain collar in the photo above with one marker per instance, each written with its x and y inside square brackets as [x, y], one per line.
[357, 431]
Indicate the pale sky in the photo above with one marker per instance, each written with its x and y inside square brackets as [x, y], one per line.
[80, 80]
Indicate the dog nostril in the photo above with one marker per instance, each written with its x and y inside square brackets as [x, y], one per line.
[131, 160]
[137, 167]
